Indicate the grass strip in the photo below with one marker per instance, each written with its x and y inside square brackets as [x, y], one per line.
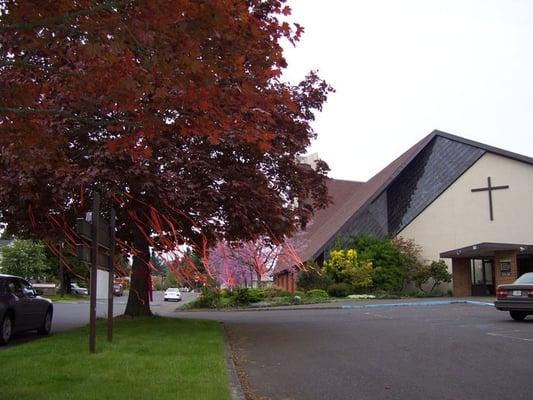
[150, 358]
[58, 298]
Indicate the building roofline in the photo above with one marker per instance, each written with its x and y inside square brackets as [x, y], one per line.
[486, 147]
[417, 148]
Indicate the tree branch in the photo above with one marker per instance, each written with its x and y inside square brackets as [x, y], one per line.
[108, 5]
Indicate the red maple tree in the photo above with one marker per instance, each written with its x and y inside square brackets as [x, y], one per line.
[174, 110]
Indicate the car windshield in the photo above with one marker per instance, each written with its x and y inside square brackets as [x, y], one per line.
[173, 290]
[526, 278]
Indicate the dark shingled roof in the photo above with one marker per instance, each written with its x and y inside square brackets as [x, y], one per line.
[351, 197]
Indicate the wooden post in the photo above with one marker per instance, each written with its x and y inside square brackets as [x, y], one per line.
[111, 279]
[94, 268]
[61, 271]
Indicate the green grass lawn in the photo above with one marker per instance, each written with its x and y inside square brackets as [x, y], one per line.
[150, 358]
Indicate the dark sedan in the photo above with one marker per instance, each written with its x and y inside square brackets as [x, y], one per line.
[21, 309]
[517, 298]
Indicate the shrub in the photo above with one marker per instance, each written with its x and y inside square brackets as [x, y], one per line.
[437, 271]
[317, 294]
[256, 295]
[245, 296]
[391, 260]
[312, 278]
[275, 291]
[344, 266]
[299, 293]
[210, 298]
[296, 300]
[341, 289]
[240, 297]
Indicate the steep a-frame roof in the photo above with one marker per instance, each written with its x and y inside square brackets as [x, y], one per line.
[355, 199]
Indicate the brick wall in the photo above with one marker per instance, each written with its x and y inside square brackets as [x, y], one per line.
[505, 255]
[462, 282]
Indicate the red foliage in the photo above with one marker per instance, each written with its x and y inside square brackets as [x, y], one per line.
[174, 110]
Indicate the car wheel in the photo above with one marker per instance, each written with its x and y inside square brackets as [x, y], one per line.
[6, 329]
[46, 326]
[518, 315]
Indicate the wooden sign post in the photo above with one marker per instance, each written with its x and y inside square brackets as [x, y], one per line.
[100, 254]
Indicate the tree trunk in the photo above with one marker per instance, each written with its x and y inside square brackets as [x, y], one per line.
[138, 300]
[67, 289]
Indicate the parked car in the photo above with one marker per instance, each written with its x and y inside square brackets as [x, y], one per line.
[118, 289]
[21, 309]
[78, 289]
[172, 294]
[517, 298]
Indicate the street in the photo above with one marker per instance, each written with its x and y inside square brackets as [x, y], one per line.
[71, 315]
[458, 351]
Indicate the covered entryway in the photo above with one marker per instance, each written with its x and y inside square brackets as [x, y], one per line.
[478, 269]
[482, 276]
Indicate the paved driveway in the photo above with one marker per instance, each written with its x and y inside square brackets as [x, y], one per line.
[454, 352]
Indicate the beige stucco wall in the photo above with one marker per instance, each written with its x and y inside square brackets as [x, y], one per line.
[459, 218]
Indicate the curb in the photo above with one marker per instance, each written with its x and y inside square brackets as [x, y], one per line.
[347, 306]
[420, 304]
[236, 392]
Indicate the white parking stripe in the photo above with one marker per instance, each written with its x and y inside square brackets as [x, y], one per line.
[510, 335]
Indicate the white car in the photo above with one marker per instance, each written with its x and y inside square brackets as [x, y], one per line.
[172, 294]
[78, 289]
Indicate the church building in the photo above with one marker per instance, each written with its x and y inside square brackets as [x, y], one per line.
[468, 203]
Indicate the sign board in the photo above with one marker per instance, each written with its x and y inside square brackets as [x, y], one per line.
[84, 230]
[505, 268]
[102, 283]
[102, 258]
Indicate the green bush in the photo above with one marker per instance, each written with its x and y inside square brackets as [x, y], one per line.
[246, 296]
[275, 291]
[256, 295]
[389, 263]
[240, 297]
[210, 298]
[340, 289]
[312, 278]
[437, 271]
[317, 294]
[299, 293]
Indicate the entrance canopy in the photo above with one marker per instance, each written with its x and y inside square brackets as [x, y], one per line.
[487, 250]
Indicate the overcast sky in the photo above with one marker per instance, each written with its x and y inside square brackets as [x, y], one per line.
[404, 68]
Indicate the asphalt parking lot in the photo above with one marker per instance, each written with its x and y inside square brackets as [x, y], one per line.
[458, 351]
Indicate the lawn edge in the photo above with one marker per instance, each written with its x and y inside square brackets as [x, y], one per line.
[236, 391]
